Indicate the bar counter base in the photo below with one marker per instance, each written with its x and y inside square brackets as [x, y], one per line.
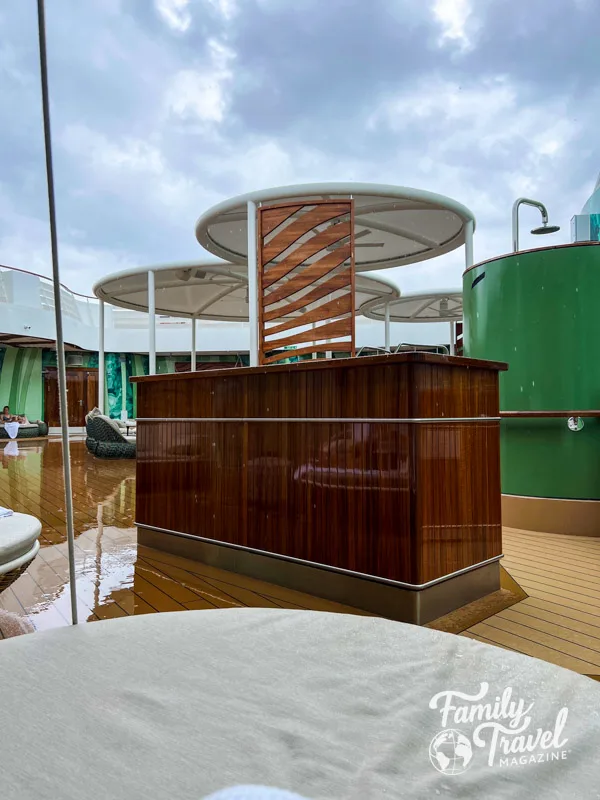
[418, 606]
[551, 515]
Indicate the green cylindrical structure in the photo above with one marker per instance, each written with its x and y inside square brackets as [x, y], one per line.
[539, 310]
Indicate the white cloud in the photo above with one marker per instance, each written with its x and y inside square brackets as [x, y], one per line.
[196, 95]
[453, 16]
[446, 101]
[488, 116]
[137, 173]
[108, 155]
[227, 8]
[447, 131]
[261, 162]
[175, 13]
[26, 245]
[201, 94]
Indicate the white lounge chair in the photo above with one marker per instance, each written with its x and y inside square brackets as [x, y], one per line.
[19, 545]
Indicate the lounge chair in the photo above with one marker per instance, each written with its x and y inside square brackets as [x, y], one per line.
[29, 430]
[105, 440]
[18, 546]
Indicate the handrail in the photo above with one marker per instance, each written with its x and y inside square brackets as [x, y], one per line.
[372, 347]
[46, 278]
[426, 348]
[548, 414]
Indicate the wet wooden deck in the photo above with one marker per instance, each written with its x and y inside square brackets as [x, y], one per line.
[558, 621]
[115, 577]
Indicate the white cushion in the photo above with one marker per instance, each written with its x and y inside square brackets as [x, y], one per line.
[328, 705]
[12, 429]
[17, 536]
[112, 422]
[95, 412]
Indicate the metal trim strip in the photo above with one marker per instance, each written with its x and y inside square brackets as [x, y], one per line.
[387, 420]
[400, 584]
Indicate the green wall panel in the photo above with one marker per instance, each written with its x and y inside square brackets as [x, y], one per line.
[118, 368]
[540, 312]
[136, 365]
[113, 385]
[88, 359]
[21, 385]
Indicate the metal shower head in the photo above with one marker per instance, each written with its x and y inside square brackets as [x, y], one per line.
[545, 228]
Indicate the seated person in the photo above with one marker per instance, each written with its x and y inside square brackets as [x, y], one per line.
[8, 417]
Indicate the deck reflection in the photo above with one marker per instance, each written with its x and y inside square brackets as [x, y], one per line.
[115, 577]
[559, 621]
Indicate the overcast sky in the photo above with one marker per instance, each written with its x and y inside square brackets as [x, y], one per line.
[161, 108]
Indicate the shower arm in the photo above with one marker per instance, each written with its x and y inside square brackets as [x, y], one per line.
[524, 201]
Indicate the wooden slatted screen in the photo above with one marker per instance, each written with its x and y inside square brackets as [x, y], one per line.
[306, 278]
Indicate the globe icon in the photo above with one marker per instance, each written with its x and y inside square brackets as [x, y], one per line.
[450, 752]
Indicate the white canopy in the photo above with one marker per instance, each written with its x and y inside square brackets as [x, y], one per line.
[394, 225]
[439, 305]
[209, 290]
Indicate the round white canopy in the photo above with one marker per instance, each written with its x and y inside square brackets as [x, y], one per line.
[440, 305]
[209, 290]
[394, 225]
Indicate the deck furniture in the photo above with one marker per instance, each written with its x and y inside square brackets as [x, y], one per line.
[25, 430]
[326, 705]
[130, 427]
[374, 481]
[105, 440]
[19, 545]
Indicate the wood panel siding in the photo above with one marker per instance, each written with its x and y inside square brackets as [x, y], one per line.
[82, 394]
[406, 501]
[298, 276]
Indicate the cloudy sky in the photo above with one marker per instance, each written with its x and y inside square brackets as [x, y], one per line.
[161, 108]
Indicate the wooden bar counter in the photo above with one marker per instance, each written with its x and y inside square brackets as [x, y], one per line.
[371, 481]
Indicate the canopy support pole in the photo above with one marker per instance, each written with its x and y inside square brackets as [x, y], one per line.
[193, 364]
[252, 283]
[101, 368]
[387, 327]
[469, 228]
[152, 324]
[60, 345]
[452, 339]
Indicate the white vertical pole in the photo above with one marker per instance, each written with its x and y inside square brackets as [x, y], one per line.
[193, 365]
[151, 323]
[387, 327]
[452, 339]
[60, 344]
[101, 367]
[252, 283]
[123, 387]
[469, 228]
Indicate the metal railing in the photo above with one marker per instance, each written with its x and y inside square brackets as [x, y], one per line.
[548, 414]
